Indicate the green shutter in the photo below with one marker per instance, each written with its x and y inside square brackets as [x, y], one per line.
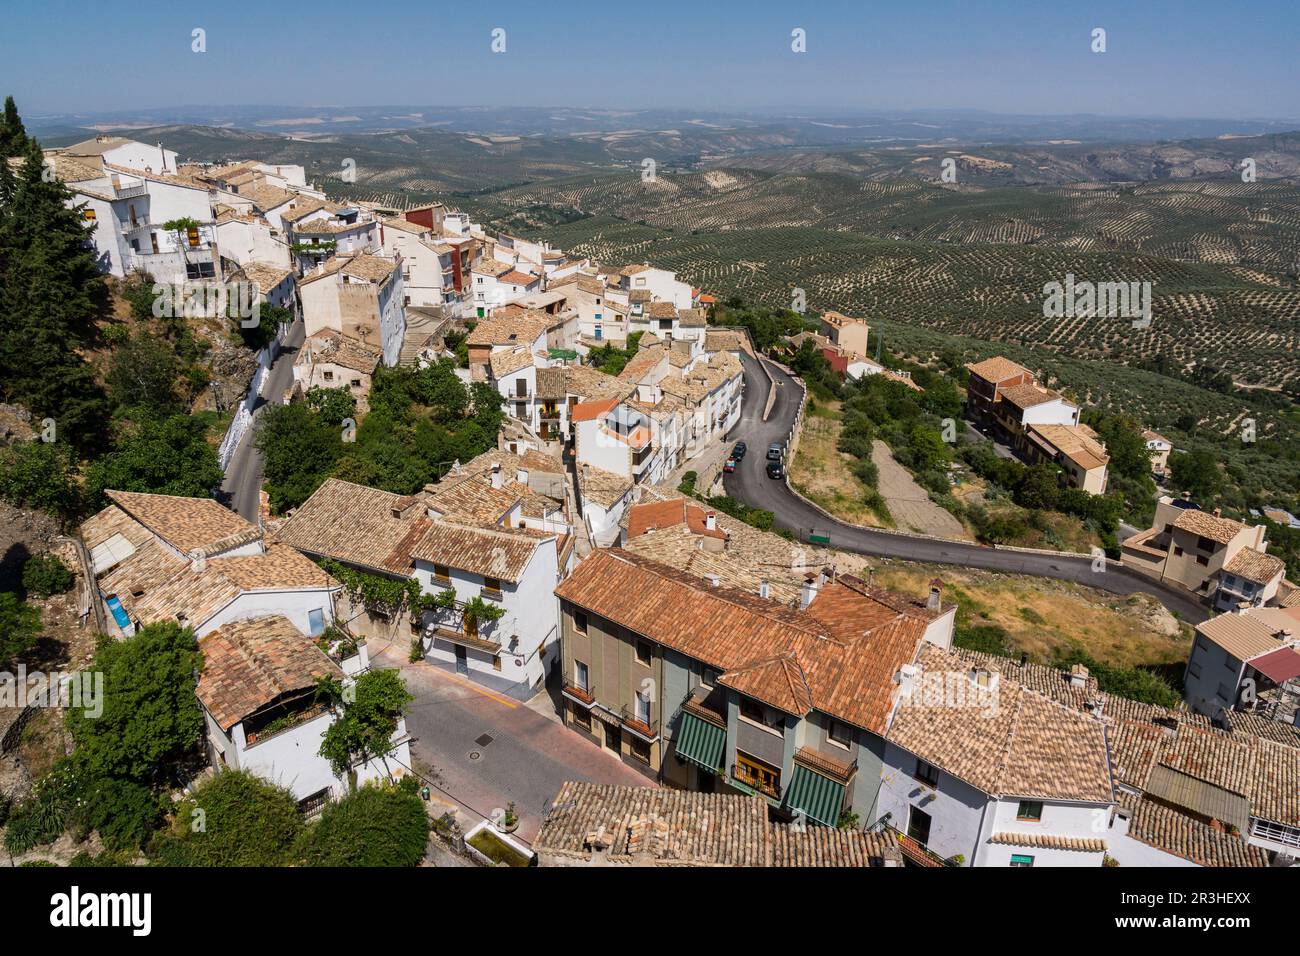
[820, 798]
[701, 743]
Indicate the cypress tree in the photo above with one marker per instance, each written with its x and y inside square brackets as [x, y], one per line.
[13, 135]
[50, 293]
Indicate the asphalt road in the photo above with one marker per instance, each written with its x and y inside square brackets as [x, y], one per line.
[749, 483]
[243, 482]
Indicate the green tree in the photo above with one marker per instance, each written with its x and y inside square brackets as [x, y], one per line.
[13, 135]
[332, 404]
[168, 456]
[299, 449]
[151, 717]
[373, 826]
[51, 291]
[1197, 472]
[367, 717]
[45, 574]
[20, 626]
[233, 819]
[39, 474]
[142, 374]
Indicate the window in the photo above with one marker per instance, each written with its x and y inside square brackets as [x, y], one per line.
[1225, 693]
[927, 774]
[329, 376]
[838, 733]
[1030, 810]
[1205, 544]
[751, 710]
[1202, 560]
[496, 663]
[316, 621]
[580, 675]
[442, 574]
[640, 750]
[580, 622]
[1194, 669]
[1178, 552]
[644, 652]
[643, 709]
[492, 585]
[1230, 580]
[581, 717]
[1021, 860]
[918, 825]
[757, 774]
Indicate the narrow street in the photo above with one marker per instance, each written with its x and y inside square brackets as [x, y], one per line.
[243, 481]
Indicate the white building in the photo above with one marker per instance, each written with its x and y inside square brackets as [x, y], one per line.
[360, 297]
[262, 713]
[1043, 800]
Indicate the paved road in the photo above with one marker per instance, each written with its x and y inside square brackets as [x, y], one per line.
[243, 481]
[530, 753]
[750, 484]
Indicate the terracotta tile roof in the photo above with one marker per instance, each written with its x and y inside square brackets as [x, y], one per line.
[1076, 442]
[589, 411]
[405, 225]
[673, 512]
[355, 524]
[1255, 566]
[604, 488]
[642, 364]
[492, 267]
[266, 197]
[305, 206]
[1027, 396]
[187, 524]
[505, 361]
[997, 369]
[686, 828]
[661, 310]
[780, 682]
[592, 384]
[250, 664]
[848, 669]
[329, 346]
[370, 268]
[267, 277]
[509, 330]
[1207, 525]
[493, 552]
[1050, 841]
[1012, 742]
[1166, 829]
[515, 277]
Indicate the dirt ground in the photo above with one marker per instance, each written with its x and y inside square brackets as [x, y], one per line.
[1042, 615]
[909, 503]
[821, 472]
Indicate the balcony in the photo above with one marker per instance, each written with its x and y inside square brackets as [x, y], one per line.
[585, 696]
[647, 731]
[914, 850]
[767, 783]
[131, 192]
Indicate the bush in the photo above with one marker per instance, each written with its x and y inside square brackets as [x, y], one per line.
[233, 819]
[36, 821]
[375, 826]
[45, 574]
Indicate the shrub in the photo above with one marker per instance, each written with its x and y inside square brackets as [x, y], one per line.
[375, 826]
[45, 574]
[233, 819]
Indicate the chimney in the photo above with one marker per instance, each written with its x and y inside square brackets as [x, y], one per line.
[521, 475]
[764, 591]
[1024, 658]
[809, 590]
[1078, 675]
[1218, 512]
[198, 562]
[714, 579]
[711, 521]
[909, 676]
[934, 603]
[496, 476]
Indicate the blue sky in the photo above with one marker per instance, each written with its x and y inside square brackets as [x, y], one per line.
[1192, 58]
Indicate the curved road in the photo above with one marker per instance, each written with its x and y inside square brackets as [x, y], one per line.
[749, 483]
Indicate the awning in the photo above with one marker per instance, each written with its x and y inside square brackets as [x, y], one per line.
[701, 743]
[819, 797]
[1278, 666]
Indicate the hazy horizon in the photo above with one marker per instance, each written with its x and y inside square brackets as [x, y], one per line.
[1193, 60]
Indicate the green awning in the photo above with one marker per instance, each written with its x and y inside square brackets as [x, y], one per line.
[820, 798]
[569, 354]
[701, 742]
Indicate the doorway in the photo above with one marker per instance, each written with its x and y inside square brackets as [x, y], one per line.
[462, 660]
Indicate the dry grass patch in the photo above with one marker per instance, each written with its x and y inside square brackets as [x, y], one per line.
[823, 474]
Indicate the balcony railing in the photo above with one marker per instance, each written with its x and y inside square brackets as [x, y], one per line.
[913, 849]
[739, 773]
[647, 729]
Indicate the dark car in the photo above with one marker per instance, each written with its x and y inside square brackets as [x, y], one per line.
[729, 466]
[774, 451]
[775, 470]
[739, 451]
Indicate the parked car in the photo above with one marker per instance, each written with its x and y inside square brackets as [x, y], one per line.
[775, 470]
[774, 451]
[730, 465]
[739, 451]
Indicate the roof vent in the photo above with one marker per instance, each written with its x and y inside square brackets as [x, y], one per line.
[1078, 675]
[764, 589]
[714, 580]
